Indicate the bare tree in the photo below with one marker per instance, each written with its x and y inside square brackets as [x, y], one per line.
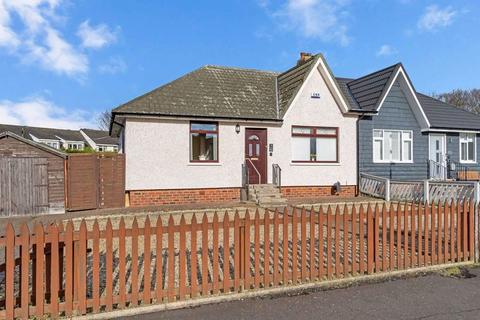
[103, 120]
[465, 99]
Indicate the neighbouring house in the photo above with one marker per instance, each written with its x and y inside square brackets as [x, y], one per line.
[406, 135]
[100, 140]
[32, 176]
[218, 133]
[66, 139]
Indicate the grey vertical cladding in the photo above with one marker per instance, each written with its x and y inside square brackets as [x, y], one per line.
[395, 113]
[453, 149]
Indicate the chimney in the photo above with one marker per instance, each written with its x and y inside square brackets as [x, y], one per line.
[304, 57]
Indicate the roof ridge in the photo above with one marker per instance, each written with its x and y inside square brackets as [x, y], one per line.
[158, 88]
[207, 66]
[34, 127]
[93, 129]
[378, 71]
[314, 57]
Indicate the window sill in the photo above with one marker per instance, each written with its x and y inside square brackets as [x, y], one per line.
[393, 162]
[468, 162]
[314, 164]
[204, 164]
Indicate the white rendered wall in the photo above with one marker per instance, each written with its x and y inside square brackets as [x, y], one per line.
[157, 150]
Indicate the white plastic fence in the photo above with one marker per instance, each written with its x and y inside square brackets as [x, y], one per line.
[387, 189]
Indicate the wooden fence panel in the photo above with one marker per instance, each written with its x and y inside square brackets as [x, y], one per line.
[378, 239]
[95, 181]
[23, 186]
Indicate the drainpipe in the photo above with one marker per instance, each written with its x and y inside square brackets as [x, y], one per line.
[476, 220]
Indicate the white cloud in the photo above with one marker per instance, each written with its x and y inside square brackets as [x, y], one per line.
[36, 111]
[435, 18]
[386, 50]
[95, 37]
[320, 19]
[35, 37]
[57, 55]
[113, 66]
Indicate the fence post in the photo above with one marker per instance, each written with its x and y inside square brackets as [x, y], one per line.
[426, 191]
[387, 190]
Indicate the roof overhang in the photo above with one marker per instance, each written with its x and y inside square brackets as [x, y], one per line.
[332, 84]
[451, 130]
[118, 119]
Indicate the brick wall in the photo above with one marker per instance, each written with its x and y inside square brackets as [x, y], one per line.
[218, 195]
[183, 196]
[317, 191]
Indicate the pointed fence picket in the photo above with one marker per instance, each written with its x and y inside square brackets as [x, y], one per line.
[63, 271]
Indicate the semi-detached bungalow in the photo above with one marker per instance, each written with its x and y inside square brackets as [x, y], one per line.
[218, 131]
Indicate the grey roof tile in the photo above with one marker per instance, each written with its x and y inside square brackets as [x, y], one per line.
[224, 92]
[211, 91]
[369, 90]
[442, 115]
[290, 81]
[43, 133]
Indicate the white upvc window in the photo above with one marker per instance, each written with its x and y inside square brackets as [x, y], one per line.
[52, 144]
[75, 146]
[314, 144]
[468, 148]
[392, 145]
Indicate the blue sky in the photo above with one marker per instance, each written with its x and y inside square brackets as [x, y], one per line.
[63, 62]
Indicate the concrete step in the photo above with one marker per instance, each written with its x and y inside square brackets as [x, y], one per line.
[272, 201]
[265, 194]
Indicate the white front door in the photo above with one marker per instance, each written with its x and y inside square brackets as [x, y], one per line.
[438, 154]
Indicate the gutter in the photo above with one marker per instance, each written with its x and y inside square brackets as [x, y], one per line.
[183, 117]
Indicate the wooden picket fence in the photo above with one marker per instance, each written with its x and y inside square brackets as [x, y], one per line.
[63, 271]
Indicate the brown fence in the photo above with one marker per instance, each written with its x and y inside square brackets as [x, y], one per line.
[95, 181]
[102, 266]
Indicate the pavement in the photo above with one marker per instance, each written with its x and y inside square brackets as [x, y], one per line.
[431, 296]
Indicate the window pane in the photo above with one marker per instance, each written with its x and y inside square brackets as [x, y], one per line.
[471, 156]
[407, 135]
[463, 151]
[204, 147]
[377, 150]
[204, 126]
[299, 130]
[377, 133]
[300, 149]
[326, 131]
[407, 151]
[326, 149]
[392, 145]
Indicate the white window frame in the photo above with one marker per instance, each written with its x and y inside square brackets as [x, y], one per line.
[403, 139]
[464, 137]
[78, 145]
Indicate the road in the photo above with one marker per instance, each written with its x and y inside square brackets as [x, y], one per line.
[426, 297]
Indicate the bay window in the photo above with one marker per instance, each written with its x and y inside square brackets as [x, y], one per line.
[392, 145]
[468, 148]
[203, 142]
[314, 144]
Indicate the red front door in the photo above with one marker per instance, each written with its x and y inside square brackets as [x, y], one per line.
[256, 155]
